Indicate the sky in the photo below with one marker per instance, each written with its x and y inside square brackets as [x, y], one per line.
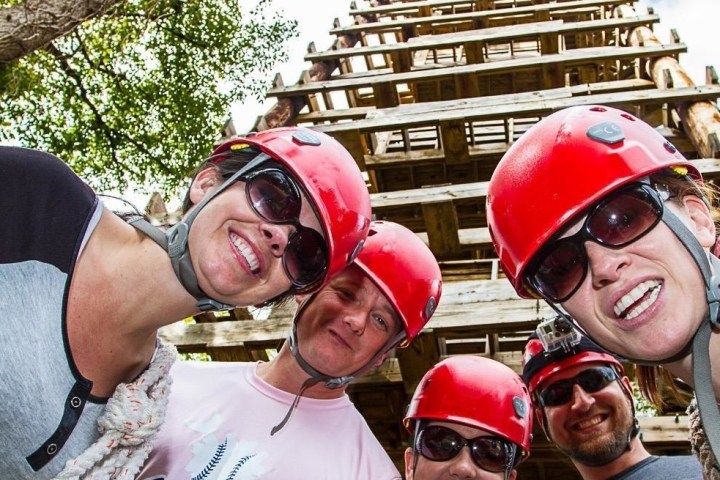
[694, 20]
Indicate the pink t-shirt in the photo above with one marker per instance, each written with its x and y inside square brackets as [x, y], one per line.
[218, 427]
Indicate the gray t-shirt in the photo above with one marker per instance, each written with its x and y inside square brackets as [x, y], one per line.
[47, 415]
[680, 467]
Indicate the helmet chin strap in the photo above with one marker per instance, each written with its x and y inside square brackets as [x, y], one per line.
[315, 375]
[709, 266]
[175, 241]
[699, 346]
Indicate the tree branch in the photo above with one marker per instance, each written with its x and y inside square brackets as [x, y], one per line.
[99, 121]
[33, 24]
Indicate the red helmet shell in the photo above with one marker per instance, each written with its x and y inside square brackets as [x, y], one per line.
[478, 392]
[406, 272]
[331, 179]
[535, 347]
[561, 166]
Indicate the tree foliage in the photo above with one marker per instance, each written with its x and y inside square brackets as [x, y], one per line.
[139, 94]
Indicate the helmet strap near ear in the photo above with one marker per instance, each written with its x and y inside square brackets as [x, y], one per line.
[513, 462]
[175, 241]
[416, 452]
[711, 279]
[330, 381]
[702, 379]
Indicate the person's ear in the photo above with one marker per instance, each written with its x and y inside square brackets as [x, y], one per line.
[381, 359]
[513, 475]
[701, 221]
[205, 180]
[409, 457]
[626, 381]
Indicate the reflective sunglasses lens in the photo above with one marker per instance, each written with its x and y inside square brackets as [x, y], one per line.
[591, 381]
[557, 394]
[305, 259]
[595, 379]
[560, 271]
[274, 197]
[625, 218]
[439, 443]
[491, 454]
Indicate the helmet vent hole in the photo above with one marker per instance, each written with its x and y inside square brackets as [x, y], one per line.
[628, 116]
[597, 109]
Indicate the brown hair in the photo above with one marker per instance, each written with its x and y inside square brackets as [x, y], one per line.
[653, 380]
[225, 165]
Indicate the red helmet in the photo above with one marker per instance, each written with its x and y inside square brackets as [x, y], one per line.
[331, 179]
[406, 272]
[538, 366]
[478, 392]
[561, 166]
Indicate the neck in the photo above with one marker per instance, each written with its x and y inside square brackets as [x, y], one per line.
[683, 368]
[637, 453]
[127, 281]
[283, 372]
[123, 289]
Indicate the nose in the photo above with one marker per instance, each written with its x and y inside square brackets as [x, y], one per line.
[355, 319]
[605, 264]
[276, 236]
[581, 401]
[462, 466]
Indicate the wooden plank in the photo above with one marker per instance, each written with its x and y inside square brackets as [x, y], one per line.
[566, 59]
[472, 16]
[442, 227]
[417, 359]
[466, 110]
[476, 190]
[454, 142]
[355, 144]
[385, 95]
[507, 33]
[409, 7]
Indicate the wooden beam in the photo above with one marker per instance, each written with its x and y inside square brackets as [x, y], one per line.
[454, 142]
[564, 60]
[442, 227]
[473, 16]
[468, 111]
[478, 190]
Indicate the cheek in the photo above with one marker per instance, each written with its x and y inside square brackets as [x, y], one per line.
[428, 470]
[554, 420]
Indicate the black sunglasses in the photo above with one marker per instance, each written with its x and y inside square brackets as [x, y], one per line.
[591, 380]
[275, 197]
[441, 444]
[616, 221]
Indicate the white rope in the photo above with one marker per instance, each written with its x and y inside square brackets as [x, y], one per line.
[131, 419]
[699, 444]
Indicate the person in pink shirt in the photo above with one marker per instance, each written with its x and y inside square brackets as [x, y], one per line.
[290, 418]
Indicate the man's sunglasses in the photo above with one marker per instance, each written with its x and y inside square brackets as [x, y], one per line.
[616, 221]
[591, 380]
[441, 444]
[275, 197]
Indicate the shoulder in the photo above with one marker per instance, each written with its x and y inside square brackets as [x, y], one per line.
[678, 463]
[676, 467]
[39, 175]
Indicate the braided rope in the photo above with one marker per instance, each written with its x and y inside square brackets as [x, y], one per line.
[131, 419]
[699, 444]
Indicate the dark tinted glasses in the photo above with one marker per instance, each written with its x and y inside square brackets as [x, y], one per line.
[616, 221]
[591, 380]
[275, 197]
[441, 444]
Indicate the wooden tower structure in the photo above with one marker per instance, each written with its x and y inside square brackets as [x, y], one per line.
[428, 95]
